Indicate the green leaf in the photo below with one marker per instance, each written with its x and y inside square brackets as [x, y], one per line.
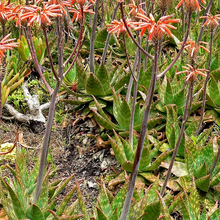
[168, 95]
[201, 171]
[64, 202]
[158, 161]
[103, 76]
[203, 183]
[123, 115]
[194, 201]
[145, 158]
[94, 85]
[118, 149]
[34, 212]
[17, 206]
[152, 211]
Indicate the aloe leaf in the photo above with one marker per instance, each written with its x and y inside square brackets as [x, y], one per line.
[179, 100]
[123, 115]
[203, 183]
[164, 208]
[16, 84]
[127, 147]
[152, 211]
[172, 128]
[104, 203]
[72, 208]
[168, 95]
[34, 212]
[158, 161]
[7, 77]
[185, 210]
[215, 180]
[61, 187]
[43, 198]
[94, 85]
[101, 215]
[22, 51]
[119, 200]
[148, 176]
[179, 168]
[81, 202]
[103, 76]
[194, 201]
[189, 161]
[120, 83]
[106, 123]
[17, 206]
[145, 158]
[81, 74]
[191, 147]
[201, 171]
[64, 202]
[128, 165]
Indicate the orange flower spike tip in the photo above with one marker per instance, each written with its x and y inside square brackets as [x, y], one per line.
[192, 72]
[7, 44]
[117, 27]
[81, 2]
[191, 5]
[156, 29]
[212, 21]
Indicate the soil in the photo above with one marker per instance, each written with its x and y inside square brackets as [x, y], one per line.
[75, 148]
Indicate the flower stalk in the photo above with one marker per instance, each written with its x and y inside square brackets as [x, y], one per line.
[143, 132]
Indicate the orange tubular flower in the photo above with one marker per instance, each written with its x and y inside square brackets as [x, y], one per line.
[5, 11]
[191, 5]
[135, 9]
[212, 21]
[193, 48]
[76, 11]
[6, 44]
[192, 72]
[155, 29]
[41, 14]
[118, 27]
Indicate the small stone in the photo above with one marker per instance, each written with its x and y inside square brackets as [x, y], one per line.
[92, 185]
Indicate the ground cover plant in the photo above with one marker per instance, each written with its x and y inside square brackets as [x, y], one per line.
[147, 72]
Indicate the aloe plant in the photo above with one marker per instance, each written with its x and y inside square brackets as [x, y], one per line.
[17, 195]
[190, 208]
[198, 163]
[99, 85]
[24, 50]
[125, 155]
[13, 78]
[145, 204]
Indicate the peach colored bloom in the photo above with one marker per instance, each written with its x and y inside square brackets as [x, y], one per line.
[118, 27]
[5, 11]
[193, 48]
[155, 29]
[191, 5]
[76, 11]
[6, 44]
[212, 21]
[135, 9]
[192, 72]
[41, 15]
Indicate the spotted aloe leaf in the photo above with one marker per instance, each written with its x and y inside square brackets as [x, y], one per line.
[158, 161]
[34, 212]
[203, 183]
[172, 127]
[18, 209]
[94, 86]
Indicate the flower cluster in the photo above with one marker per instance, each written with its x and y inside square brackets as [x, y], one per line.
[6, 44]
[212, 21]
[191, 5]
[155, 29]
[192, 72]
[193, 48]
